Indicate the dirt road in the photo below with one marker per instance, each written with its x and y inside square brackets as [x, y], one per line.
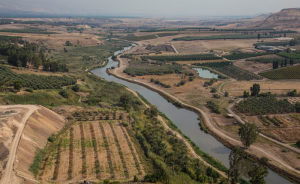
[8, 177]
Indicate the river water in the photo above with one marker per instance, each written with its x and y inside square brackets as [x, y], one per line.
[184, 119]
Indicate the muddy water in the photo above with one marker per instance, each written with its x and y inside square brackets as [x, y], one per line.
[185, 120]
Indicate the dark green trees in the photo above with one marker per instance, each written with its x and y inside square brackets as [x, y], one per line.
[246, 94]
[255, 89]
[258, 174]
[75, 88]
[18, 85]
[235, 158]
[248, 134]
[125, 101]
[293, 42]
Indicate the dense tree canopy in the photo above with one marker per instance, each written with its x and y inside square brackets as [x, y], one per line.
[248, 134]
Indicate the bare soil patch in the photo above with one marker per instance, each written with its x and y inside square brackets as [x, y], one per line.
[275, 87]
[252, 66]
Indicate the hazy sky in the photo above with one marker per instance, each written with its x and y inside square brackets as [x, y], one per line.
[152, 7]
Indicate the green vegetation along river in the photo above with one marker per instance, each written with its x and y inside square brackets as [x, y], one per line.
[185, 120]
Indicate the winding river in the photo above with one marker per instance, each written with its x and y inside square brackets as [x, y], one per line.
[184, 119]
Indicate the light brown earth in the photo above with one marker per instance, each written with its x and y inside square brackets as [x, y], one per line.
[117, 163]
[254, 67]
[237, 88]
[35, 125]
[10, 119]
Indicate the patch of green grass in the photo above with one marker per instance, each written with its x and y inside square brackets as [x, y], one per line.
[37, 162]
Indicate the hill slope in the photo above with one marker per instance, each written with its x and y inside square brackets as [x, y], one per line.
[39, 127]
[286, 18]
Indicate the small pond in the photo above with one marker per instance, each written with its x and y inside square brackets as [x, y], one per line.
[204, 73]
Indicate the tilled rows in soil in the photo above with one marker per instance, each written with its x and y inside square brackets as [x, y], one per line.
[95, 150]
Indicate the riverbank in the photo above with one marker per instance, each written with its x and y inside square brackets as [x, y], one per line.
[213, 129]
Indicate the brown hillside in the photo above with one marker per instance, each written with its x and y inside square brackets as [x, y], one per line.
[286, 18]
[39, 127]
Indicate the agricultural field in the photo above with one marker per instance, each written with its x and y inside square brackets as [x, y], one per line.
[237, 56]
[264, 105]
[268, 59]
[221, 37]
[230, 70]
[282, 32]
[140, 38]
[292, 72]
[138, 68]
[188, 57]
[282, 43]
[242, 30]
[8, 77]
[166, 34]
[93, 150]
[178, 29]
[290, 55]
[281, 127]
[28, 30]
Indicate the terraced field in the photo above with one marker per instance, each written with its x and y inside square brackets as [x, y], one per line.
[93, 150]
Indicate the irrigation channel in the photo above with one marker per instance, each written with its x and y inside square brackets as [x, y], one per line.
[185, 120]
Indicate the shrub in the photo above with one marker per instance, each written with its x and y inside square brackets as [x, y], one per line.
[213, 90]
[64, 93]
[29, 90]
[51, 138]
[75, 88]
[216, 96]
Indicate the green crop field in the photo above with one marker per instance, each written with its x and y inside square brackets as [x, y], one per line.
[28, 30]
[188, 57]
[7, 77]
[178, 29]
[140, 38]
[283, 73]
[272, 44]
[244, 30]
[290, 55]
[282, 32]
[166, 34]
[264, 105]
[237, 56]
[220, 37]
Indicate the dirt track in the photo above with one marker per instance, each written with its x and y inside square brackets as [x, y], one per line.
[8, 177]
